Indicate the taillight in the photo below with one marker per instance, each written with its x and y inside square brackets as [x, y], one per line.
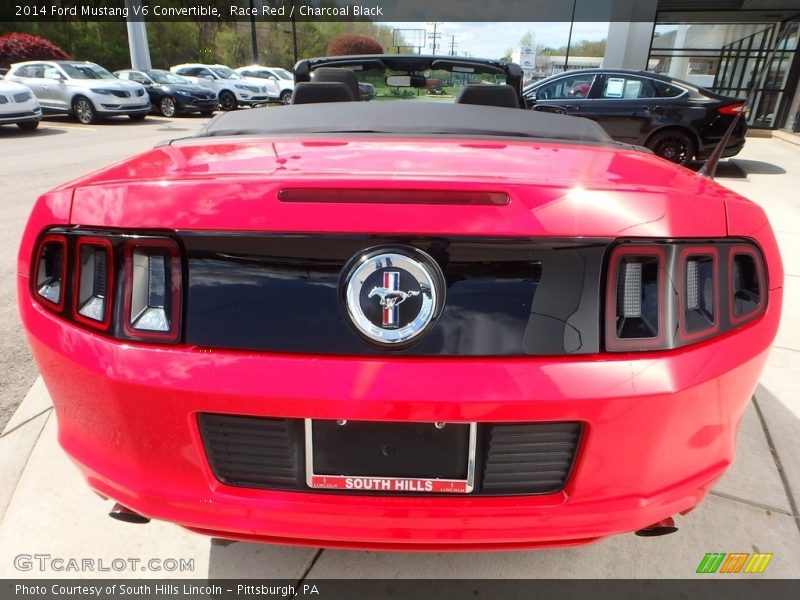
[94, 280]
[152, 289]
[669, 295]
[747, 282]
[698, 292]
[733, 109]
[636, 292]
[49, 277]
[123, 285]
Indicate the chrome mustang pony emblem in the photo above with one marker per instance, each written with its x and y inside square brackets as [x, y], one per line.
[409, 285]
[391, 297]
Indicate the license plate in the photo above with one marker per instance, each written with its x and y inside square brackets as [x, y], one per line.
[392, 458]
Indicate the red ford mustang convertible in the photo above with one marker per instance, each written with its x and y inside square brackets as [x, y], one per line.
[415, 324]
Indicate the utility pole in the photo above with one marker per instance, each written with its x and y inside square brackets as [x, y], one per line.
[253, 39]
[294, 35]
[435, 36]
[453, 45]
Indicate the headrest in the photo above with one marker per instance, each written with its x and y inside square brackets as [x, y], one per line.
[339, 75]
[503, 96]
[310, 93]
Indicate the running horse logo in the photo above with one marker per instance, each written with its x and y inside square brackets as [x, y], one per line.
[391, 297]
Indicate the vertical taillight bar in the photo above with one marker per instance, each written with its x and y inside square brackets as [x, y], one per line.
[93, 287]
[748, 284]
[698, 284]
[635, 298]
[49, 280]
[152, 290]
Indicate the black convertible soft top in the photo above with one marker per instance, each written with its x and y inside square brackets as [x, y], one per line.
[405, 118]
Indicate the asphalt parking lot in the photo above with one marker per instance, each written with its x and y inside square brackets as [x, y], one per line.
[34, 162]
[46, 508]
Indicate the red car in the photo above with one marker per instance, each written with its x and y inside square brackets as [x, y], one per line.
[400, 325]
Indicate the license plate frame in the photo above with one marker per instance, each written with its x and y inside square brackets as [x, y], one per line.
[391, 484]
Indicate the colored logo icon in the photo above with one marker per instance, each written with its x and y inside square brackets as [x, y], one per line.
[735, 562]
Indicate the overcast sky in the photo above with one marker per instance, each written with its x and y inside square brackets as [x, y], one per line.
[491, 40]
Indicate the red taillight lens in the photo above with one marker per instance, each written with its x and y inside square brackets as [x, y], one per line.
[635, 315]
[698, 292]
[50, 275]
[733, 109]
[748, 285]
[152, 290]
[94, 282]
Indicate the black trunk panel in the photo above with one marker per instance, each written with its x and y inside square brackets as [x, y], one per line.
[505, 297]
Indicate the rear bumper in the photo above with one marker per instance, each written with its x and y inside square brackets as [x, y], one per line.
[732, 149]
[659, 430]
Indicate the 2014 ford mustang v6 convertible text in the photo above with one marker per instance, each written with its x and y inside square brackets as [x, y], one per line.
[411, 324]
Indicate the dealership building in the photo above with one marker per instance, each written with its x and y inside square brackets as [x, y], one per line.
[719, 44]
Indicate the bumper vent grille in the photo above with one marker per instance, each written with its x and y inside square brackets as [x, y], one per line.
[252, 452]
[512, 459]
[530, 458]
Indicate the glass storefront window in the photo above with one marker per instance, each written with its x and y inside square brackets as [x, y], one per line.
[728, 58]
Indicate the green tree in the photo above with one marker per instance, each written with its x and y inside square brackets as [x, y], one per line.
[582, 48]
[529, 39]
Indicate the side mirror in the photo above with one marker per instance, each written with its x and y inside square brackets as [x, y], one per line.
[207, 77]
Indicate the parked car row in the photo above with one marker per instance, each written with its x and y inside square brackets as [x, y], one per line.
[677, 120]
[83, 89]
[88, 92]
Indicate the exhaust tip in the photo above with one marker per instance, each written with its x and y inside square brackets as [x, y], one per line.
[126, 515]
[663, 527]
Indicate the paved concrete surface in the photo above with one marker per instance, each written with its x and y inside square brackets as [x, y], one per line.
[33, 163]
[46, 509]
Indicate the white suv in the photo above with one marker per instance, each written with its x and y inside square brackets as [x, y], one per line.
[82, 89]
[18, 106]
[281, 77]
[232, 89]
